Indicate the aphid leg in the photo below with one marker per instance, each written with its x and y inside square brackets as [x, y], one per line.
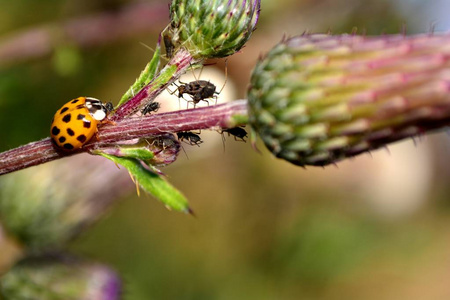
[200, 74]
[193, 103]
[206, 100]
[184, 151]
[223, 140]
[193, 72]
[226, 77]
[172, 92]
[195, 143]
[153, 50]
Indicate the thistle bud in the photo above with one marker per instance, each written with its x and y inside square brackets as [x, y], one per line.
[48, 278]
[316, 99]
[158, 151]
[47, 206]
[211, 28]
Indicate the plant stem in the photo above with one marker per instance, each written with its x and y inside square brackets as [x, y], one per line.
[177, 66]
[211, 117]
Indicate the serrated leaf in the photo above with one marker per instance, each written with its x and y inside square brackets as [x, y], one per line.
[153, 183]
[145, 77]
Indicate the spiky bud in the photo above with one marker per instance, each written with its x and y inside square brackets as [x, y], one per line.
[44, 208]
[211, 28]
[158, 151]
[48, 278]
[316, 99]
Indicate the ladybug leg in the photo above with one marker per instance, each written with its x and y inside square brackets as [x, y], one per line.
[96, 136]
[108, 121]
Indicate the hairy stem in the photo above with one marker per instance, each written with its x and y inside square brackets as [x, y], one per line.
[211, 117]
[177, 66]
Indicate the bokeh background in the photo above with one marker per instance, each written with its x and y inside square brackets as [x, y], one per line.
[373, 227]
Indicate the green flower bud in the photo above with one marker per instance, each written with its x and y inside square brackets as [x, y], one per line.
[211, 28]
[49, 278]
[45, 207]
[157, 151]
[316, 99]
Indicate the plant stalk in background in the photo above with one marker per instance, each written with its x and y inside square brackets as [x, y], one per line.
[60, 277]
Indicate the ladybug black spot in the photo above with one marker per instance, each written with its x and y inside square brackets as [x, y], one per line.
[81, 138]
[62, 139]
[68, 146]
[55, 130]
[74, 101]
[70, 132]
[67, 118]
[86, 124]
[63, 110]
[81, 117]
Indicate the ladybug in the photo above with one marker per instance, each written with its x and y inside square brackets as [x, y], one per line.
[76, 122]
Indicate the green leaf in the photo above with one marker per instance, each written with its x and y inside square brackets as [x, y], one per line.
[145, 77]
[153, 183]
[139, 153]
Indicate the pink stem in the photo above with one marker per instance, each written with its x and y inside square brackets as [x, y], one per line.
[182, 61]
[211, 117]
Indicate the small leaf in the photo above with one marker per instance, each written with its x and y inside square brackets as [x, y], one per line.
[153, 183]
[139, 153]
[145, 77]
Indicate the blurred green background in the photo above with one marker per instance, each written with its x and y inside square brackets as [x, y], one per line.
[374, 227]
